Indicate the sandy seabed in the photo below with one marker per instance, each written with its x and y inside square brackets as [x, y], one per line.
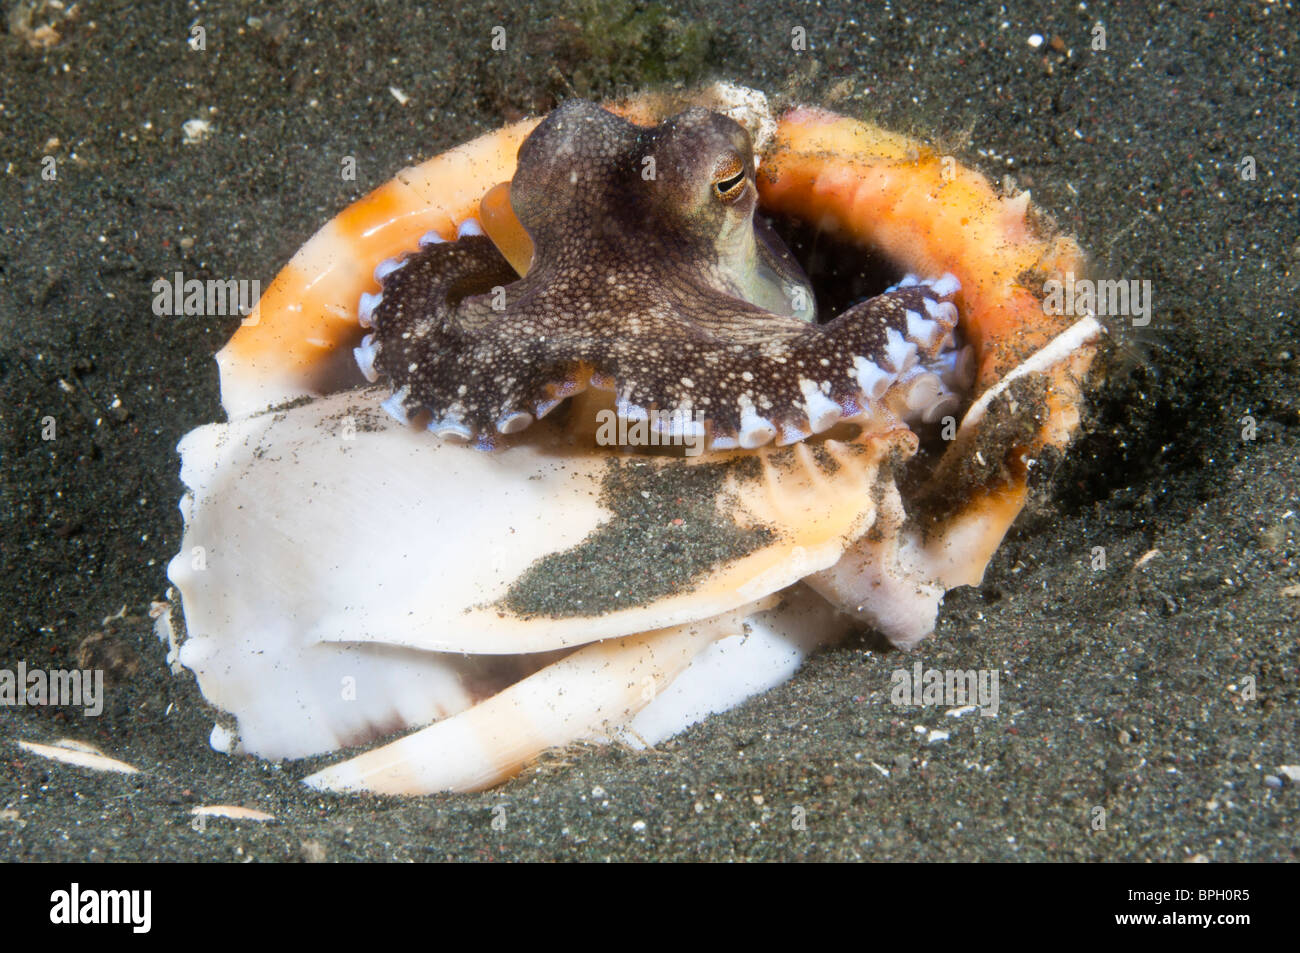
[1162, 690]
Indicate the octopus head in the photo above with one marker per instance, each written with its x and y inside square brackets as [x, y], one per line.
[679, 198]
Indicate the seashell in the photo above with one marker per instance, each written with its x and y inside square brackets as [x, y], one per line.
[78, 754]
[233, 812]
[346, 574]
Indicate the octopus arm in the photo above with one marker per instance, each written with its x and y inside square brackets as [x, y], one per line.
[484, 355]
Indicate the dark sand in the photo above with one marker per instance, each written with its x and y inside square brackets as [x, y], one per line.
[1117, 686]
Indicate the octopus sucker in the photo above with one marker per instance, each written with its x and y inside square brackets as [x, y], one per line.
[525, 449]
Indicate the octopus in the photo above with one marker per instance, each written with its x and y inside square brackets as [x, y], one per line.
[546, 441]
[648, 277]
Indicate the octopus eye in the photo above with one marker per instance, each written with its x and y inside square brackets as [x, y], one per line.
[729, 180]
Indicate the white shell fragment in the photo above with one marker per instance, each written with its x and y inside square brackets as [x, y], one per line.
[233, 812]
[78, 754]
[601, 684]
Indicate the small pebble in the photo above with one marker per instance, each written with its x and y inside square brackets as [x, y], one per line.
[195, 131]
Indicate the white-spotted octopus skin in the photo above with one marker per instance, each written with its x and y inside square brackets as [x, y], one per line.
[642, 279]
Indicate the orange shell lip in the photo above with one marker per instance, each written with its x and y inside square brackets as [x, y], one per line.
[926, 212]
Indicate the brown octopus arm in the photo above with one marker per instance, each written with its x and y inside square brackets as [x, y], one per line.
[486, 356]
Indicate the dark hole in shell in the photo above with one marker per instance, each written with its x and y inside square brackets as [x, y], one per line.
[842, 273]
